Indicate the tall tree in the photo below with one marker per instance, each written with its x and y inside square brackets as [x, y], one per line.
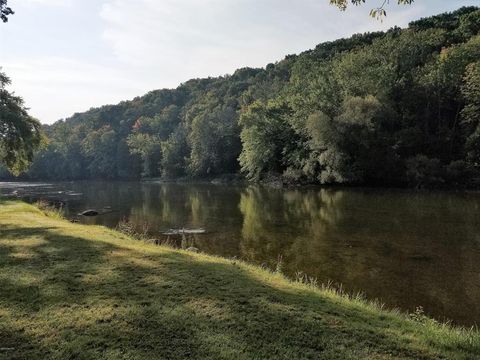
[20, 134]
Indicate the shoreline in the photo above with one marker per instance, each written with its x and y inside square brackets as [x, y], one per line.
[245, 183]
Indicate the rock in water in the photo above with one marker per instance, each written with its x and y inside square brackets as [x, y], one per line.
[184, 232]
[194, 231]
[89, 213]
[192, 249]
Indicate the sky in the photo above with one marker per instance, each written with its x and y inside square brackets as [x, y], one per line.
[66, 56]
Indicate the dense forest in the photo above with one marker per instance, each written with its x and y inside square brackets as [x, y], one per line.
[397, 108]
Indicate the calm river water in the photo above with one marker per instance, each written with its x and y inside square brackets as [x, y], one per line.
[405, 248]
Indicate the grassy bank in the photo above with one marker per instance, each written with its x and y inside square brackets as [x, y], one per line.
[69, 291]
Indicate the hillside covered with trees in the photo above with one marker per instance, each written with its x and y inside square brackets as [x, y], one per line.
[398, 108]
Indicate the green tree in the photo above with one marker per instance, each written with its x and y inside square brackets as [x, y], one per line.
[148, 135]
[423, 171]
[174, 154]
[100, 148]
[266, 136]
[351, 148]
[469, 25]
[149, 148]
[20, 134]
[214, 141]
[471, 113]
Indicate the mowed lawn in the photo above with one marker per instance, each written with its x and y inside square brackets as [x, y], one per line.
[69, 291]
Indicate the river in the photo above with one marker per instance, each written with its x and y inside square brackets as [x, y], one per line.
[404, 248]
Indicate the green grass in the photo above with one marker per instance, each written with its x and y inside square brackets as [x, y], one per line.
[69, 291]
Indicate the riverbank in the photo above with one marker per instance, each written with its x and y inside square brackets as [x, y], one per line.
[87, 292]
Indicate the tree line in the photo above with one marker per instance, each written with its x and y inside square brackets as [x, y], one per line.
[396, 108]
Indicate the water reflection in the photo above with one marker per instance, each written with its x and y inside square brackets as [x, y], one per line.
[408, 249]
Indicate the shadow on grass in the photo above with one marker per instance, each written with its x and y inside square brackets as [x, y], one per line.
[70, 297]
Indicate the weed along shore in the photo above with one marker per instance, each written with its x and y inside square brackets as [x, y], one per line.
[71, 291]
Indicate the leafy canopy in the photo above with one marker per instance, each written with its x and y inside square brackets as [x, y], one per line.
[5, 11]
[377, 11]
[20, 134]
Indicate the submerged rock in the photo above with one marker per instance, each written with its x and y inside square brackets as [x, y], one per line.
[421, 257]
[89, 212]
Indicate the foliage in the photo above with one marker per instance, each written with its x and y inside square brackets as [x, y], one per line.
[394, 108]
[265, 137]
[214, 141]
[422, 170]
[5, 11]
[376, 12]
[20, 134]
[99, 147]
[471, 113]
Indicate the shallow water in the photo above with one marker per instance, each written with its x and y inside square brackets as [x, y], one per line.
[405, 248]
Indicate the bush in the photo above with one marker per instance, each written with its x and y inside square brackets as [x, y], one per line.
[423, 171]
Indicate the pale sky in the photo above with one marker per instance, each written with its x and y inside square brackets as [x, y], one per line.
[66, 56]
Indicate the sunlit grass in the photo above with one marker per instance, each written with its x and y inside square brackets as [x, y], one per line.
[87, 292]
